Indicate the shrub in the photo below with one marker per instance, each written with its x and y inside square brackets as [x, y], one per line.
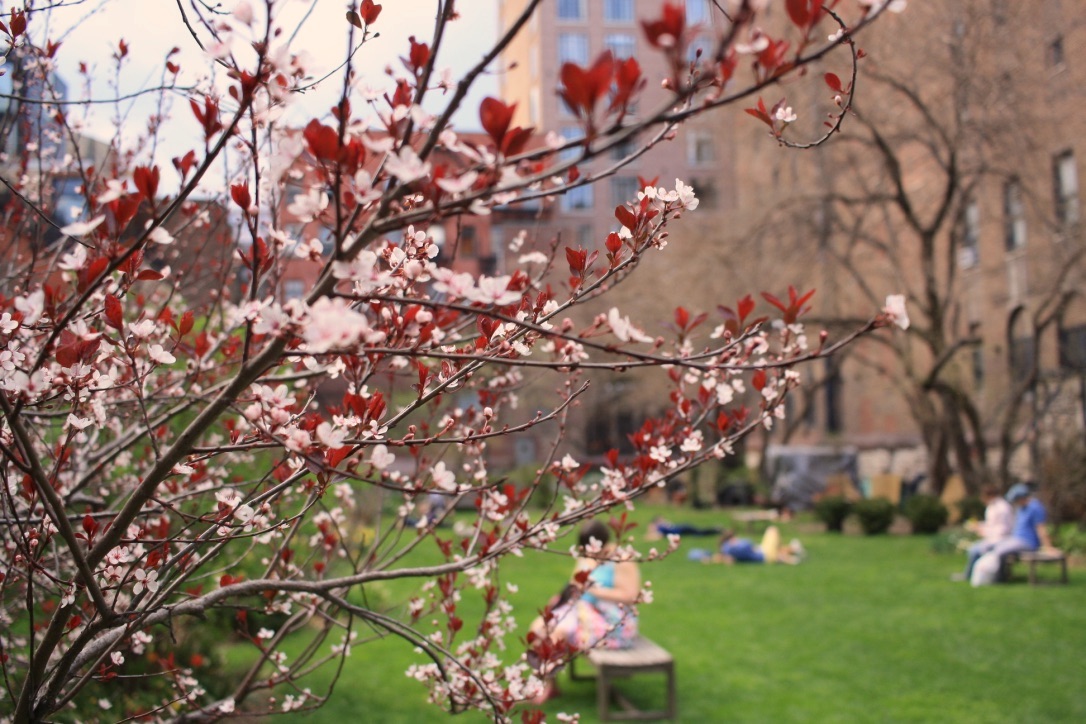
[926, 514]
[876, 515]
[1063, 476]
[971, 508]
[832, 511]
[1071, 538]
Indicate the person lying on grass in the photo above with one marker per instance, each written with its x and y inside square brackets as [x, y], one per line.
[733, 549]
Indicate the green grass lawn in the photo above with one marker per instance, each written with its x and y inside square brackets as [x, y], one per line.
[867, 630]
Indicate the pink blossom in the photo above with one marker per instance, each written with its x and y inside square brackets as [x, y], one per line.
[406, 166]
[895, 310]
[493, 290]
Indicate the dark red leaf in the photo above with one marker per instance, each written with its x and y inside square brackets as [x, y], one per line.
[833, 82]
[114, 314]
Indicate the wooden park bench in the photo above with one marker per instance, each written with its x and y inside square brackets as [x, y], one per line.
[1034, 559]
[644, 657]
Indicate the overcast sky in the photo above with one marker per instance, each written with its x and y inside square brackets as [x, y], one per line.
[91, 31]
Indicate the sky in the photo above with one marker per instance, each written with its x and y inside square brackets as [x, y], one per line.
[91, 32]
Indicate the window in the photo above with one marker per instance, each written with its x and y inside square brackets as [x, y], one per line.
[624, 189]
[622, 150]
[699, 148]
[1066, 185]
[1022, 353]
[701, 43]
[573, 48]
[697, 12]
[466, 242]
[832, 391]
[1072, 341]
[578, 199]
[570, 10]
[68, 202]
[621, 45]
[571, 133]
[977, 354]
[618, 11]
[1014, 216]
[293, 289]
[1055, 52]
[968, 255]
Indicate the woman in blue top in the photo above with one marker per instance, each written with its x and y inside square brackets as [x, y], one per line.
[603, 614]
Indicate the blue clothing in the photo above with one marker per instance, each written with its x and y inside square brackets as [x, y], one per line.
[1026, 520]
[603, 575]
[742, 550]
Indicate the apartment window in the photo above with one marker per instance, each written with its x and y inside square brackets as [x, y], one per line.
[1072, 341]
[573, 48]
[1055, 52]
[578, 199]
[68, 202]
[623, 149]
[699, 47]
[293, 289]
[571, 9]
[584, 235]
[832, 392]
[618, 11]
[466, 243]
[697, 11]
[624, 189]
[621, 45]
[1022, 353]
[1014, 216]
[1066, 185]
[699, 148]
[968, 255]
[977, 354]
[571, 133]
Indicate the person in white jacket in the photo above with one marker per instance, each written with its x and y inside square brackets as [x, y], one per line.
[997, 526]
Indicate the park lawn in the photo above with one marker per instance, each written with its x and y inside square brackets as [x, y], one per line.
[867, 630]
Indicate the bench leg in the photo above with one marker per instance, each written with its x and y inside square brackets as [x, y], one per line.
[1033, 572]
[1063, 570]
[603, 693]
[671, 709]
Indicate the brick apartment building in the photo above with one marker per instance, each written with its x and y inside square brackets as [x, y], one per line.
[973, 212]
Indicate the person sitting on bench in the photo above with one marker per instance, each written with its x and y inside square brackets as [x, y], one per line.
[597, 609]
[1030, 534]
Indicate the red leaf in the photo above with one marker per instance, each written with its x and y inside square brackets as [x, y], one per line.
[666, 31]
[576, 259]
[18, 23]
[682, 317]
[149, 275]
[185, 163]
[186, 323]
[90, 525]
[114, 314]
[369, 11]
[323, 141]
[799, 12]
[613, 243]
[146, 181]
[626, 217]
[91, 272]
[833, 82]
[240, 194]
[758, 380]
[495, 117]
[746, 306]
